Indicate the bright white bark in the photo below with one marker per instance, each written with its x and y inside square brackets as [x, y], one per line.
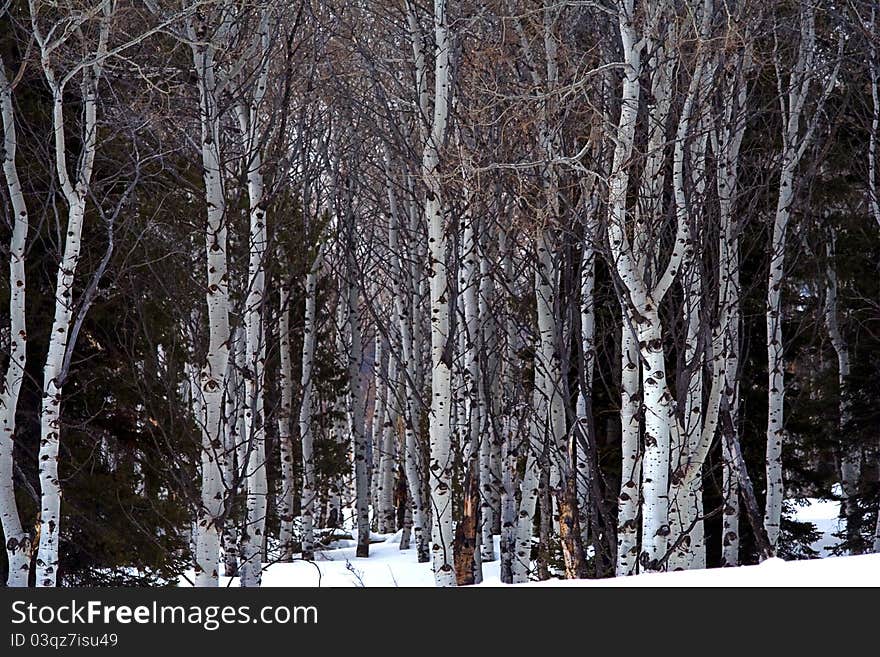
[686, 502]
[17, 541]
[75, 190]
[534, 446]
[386, 450]
[645, 281]
[794, 143]
[340, 432]
[307, 438]
[213, 377]
[727, 140]
[233, 442]
[356, 387]
[508, 497]
[407, 311]
[247, 111]
[549, 402]
[620, 250]
[440, 467]
[631, 468]
[551, 408]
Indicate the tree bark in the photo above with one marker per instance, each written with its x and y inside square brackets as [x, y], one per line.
[18, 542]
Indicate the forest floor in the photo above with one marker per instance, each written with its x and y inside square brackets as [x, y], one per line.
[388, 566]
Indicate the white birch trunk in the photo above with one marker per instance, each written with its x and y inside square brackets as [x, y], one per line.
[508, 498]
[356, 405]
[631, 468]
[588, 349]
[309, 483]
[655, 460]
[232, 460]
[850, 455]
[728, 139]
[729, 250]
[214, 373]
[874, 72]
[18, 542]
[285, 414]
[380, 392]
[686, 502]
[247, 111]
[75, 192]
[550, 406]
[255, 349]
[406, 305]
[534, 445]
[794, 143]
[386, 443]
[488, 480]
[628, 499]
[440, 467]
[775, 364]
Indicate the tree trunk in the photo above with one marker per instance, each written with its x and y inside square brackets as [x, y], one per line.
[285, 413]
[255, 348]
[213, 374]
[18, 542]
[850, 454]
[309, 484]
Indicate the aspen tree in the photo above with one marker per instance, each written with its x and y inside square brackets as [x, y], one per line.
[434, 133]
[798, 130]
[850, 456]
[18, 542]
[75, 189]
[285, 414]
[213, 377]
[726, 142]
[309, 483]
[247, 111]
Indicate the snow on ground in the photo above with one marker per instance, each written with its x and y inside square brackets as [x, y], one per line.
[388, 566]
[825, 515]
